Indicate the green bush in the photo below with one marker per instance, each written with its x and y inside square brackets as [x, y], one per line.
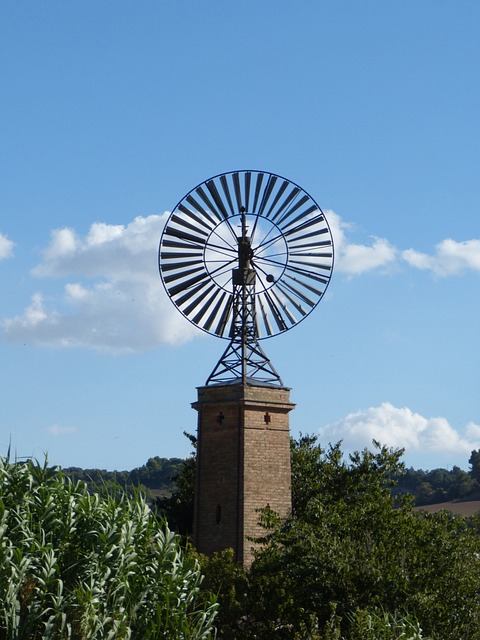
[79, 565]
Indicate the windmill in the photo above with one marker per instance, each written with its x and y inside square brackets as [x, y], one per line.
[244, 256]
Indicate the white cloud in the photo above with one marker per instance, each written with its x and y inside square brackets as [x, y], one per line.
[56, 430]
[116, 303]
[6, 247]
[450, 258]
[358, 258]
[402, 428]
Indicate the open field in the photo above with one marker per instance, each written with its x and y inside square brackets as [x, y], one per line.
[467, 508]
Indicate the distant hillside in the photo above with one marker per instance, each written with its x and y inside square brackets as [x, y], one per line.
[465, 508]
[157, 476]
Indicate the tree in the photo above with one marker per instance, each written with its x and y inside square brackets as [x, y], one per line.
[474, 463]
[79, 565]
[350, 547]
[177, 508]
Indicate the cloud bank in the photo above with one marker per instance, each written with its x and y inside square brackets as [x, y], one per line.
[113, 300]
[402, 428]
[110, 298]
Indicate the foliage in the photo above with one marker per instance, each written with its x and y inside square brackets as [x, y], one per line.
[439, 485]
[383, 625]
[228, 580]
[349, 547]
[80, 565]
[177, 507]
[354, 560]
[474, 463]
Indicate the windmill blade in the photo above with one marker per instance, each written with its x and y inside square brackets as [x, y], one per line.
[291, 196]
[275, 311]
[182, 235]
[196, 205]
[248, 180]
[209, 203]
[266, 194]
[305, 274]
[186, 284]
[222, 325]
[258, 186]
[178, 255]
[189, 225]
[279, 194]
[238, 192]
[226, 191]
[204, 220]
[215, 311]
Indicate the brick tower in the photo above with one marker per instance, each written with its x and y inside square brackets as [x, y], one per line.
[243, 464]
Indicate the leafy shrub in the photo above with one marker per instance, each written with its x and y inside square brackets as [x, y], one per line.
[79, 565]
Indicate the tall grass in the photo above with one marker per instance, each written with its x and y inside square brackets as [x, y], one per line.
[82, 566]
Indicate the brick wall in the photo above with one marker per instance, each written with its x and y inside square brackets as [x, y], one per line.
[243, 463]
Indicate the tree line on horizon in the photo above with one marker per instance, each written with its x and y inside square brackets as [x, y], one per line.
[158, 478]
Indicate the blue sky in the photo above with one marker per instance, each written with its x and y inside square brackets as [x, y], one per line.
[113, 111]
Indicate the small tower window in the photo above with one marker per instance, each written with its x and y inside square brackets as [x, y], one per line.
[218, 514]
[220, 418]
[267, 418]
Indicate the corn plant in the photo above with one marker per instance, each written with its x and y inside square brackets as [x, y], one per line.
[382, 625]
[82, 566]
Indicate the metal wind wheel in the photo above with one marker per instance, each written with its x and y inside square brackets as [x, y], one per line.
[246, 255]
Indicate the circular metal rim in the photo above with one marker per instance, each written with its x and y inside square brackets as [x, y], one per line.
[229, 175]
